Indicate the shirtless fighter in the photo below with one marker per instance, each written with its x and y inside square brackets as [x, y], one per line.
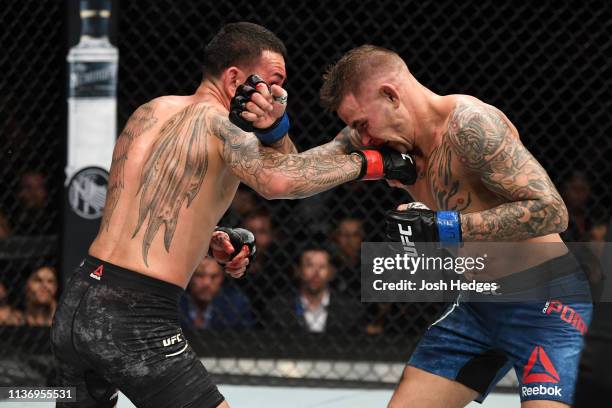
[481, 184]
[176, 167]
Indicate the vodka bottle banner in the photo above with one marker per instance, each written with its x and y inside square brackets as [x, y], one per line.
[92, 96]
[92, 128]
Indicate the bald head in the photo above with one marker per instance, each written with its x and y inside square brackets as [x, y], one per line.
[357, 66]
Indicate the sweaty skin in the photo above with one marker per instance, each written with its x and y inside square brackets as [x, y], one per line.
[176, 167]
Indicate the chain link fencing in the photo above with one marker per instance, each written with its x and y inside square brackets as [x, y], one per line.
[32, 140]
[545, 65]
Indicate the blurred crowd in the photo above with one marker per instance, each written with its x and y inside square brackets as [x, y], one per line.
[26, 212]
[305, 278]
[317, 288]
[37, 304]
[28, 286]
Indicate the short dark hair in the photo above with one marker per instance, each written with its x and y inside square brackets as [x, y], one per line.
[239, 44]
[314, 248]
[351, 70]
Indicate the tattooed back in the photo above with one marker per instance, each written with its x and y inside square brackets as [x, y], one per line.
[168, 188]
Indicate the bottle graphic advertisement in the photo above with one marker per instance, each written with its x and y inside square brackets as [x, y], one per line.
[92, 129]
[92, 111]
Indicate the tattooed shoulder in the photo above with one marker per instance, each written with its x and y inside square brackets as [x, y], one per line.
[142, 120]
[477, 133]
[484, 142]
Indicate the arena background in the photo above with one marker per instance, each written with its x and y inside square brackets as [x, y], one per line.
[546, 65]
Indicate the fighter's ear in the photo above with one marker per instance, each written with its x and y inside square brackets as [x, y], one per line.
[390, 93]
[232, 77]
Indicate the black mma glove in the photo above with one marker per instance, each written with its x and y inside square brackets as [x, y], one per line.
[244, 92]
[238, 238]
[387, 163]
[420, 224]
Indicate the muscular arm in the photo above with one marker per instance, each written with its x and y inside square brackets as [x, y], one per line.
[339, 145]
[484, 143]
[276, 175]
[285, 145]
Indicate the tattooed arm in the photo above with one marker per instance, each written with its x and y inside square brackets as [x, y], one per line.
[484, 143]
[285, 145]
[341, 144]
[276, 175]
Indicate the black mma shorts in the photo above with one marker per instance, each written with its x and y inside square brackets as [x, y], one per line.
[115, 329]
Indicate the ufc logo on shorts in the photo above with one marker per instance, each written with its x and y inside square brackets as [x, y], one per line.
[172, 340]
[405, 235]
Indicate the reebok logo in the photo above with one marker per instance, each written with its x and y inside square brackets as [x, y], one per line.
[541, 390]
[550, 375]
[405, 235]
[171, 340]
[97, 274]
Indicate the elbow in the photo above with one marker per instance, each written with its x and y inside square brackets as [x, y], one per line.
[563, 216]
[559, 217]
[277, 188]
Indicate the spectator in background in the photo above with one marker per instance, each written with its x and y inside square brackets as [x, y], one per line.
[313, 213]
[267, 274]
[596, 234]
[209, 304]
[598, 230]
[315, 307]
[589, 254]
[348, 237]
[33, 216]
[8, 315]
[576, 192]
[260, 224]
[32, 191]
[40, 297]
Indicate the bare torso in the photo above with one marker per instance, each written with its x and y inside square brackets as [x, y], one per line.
[168, 188]
[446, 183]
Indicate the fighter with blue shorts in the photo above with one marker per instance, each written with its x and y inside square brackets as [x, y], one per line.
[477, 342]
[476, 183]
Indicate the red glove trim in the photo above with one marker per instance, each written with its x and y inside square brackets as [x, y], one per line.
[375, 168]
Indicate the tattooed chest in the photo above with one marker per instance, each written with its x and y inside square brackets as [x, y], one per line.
[450, 187]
